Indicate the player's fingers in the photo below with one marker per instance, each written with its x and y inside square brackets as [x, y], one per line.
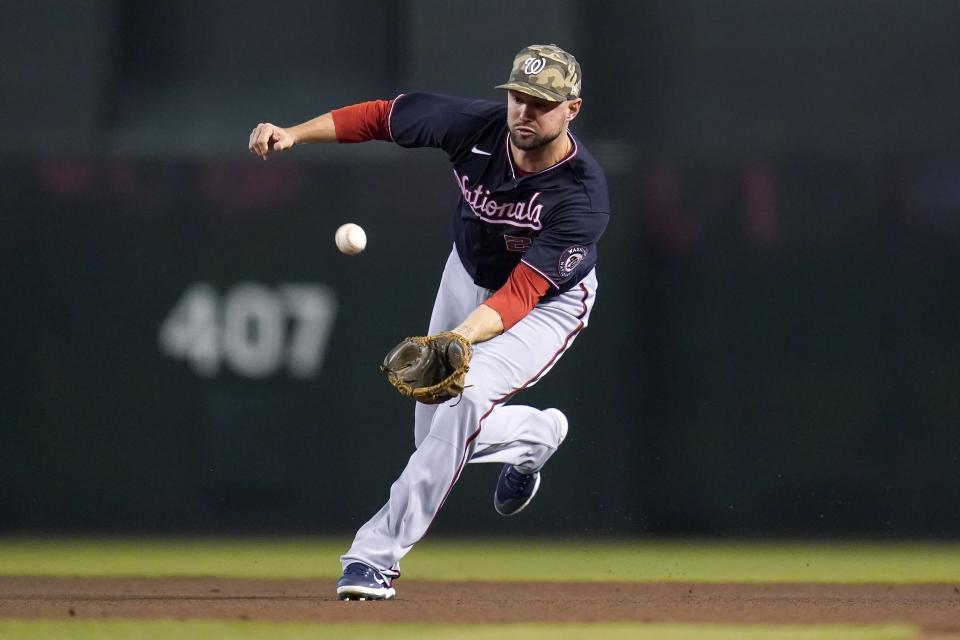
[256, 145]
[263, 139]
[259, 141]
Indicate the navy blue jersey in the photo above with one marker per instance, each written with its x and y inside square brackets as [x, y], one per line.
[550, 220]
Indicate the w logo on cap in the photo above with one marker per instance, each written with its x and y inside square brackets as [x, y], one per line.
[533, 66]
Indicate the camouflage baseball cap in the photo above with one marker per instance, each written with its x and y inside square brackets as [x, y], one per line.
[545, 71]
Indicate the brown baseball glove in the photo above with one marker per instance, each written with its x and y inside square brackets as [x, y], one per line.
[429, 369]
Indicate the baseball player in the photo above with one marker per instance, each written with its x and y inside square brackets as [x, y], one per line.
[518, 285]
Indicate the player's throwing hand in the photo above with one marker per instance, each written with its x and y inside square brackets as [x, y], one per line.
[266, 138]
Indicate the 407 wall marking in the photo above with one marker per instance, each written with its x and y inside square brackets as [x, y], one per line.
[254, 330]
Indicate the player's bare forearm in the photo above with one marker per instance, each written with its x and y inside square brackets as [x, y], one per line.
[267, 138]
[320, 129]
[481, 325]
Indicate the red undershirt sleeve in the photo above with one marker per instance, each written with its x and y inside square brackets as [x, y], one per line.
[364, 121]
[521, 292]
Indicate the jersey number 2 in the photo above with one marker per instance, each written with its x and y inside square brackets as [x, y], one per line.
[520, 245]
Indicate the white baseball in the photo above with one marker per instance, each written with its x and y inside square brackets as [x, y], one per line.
[351, 239]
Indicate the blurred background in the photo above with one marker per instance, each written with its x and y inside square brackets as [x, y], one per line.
[774, 351]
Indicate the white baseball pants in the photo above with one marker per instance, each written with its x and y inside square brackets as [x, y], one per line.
[476, 427]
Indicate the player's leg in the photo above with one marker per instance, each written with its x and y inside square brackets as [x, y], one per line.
[496, 373]
[375, 542]
[523, 438]
[520, 435]
[456, 297]
[432, 470]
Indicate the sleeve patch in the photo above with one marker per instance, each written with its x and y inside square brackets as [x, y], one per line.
[570, 259]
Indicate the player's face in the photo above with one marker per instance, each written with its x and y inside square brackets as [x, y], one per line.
[534, 122]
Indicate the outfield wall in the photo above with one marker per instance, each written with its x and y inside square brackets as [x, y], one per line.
[773, 350]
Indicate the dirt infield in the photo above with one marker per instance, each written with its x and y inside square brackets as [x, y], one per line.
[935, 608]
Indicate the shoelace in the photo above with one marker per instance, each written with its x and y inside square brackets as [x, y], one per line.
[517, 482]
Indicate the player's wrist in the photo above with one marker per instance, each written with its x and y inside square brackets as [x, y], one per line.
[293, 136]
[466, 332]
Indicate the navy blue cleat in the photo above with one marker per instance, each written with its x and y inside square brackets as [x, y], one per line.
[362, 582]
[516, 489]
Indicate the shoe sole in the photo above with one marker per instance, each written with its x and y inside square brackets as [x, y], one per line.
[365, 593]
[536, 487]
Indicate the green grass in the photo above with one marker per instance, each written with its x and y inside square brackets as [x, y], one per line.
[542, 559]
[574, 560]
[203, 629]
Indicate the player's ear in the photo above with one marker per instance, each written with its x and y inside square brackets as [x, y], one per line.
[573, 108]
